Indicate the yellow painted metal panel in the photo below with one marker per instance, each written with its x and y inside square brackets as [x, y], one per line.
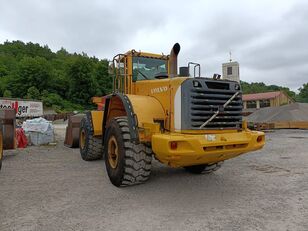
[206, 148]
[97, 122]
[146, 108]
[97, 99]
[164, 91]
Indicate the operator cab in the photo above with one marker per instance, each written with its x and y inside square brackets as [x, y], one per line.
[133, 66]
[148, 68]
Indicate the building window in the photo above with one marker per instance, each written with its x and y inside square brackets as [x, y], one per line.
[251, 104]
[265, 103]
[229, 70]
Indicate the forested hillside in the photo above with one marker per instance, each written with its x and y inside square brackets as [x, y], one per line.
[66, 82]
[61, 80]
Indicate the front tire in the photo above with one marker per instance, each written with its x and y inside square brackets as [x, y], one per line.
[203, 168]
[126, 163]
[91, 147]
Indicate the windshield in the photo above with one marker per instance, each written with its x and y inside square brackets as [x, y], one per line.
[146, 68]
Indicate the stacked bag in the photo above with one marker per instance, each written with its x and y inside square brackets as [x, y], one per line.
[39, 131]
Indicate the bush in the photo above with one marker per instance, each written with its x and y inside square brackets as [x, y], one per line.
[50, 99]
[33, 93]
[7, 94]
[58, 104]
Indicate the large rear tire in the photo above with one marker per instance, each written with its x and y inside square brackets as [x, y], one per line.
[204, 168]
[126, 163]
[91, 148]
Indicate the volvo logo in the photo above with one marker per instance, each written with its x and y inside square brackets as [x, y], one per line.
[159, 89]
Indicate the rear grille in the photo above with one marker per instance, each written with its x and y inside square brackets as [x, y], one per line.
[201, 102]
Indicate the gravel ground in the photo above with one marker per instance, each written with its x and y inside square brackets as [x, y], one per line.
[51, 188]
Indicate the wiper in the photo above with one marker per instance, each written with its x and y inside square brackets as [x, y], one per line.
[144, 76]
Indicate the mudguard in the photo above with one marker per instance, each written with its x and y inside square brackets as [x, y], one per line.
[138, 109]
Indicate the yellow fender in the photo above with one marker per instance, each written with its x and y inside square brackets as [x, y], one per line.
[147, 109]
[143, 113]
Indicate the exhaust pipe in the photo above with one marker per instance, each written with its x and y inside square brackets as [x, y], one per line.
[173, 60]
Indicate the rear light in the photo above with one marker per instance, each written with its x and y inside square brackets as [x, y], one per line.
[173, 145]
[259, 139]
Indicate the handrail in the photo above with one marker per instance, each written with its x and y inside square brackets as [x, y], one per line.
[196, 65]
[117, 80]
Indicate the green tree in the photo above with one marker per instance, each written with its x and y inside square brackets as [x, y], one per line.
[50, 99]
[303, 93]
[7, 94]
[83, 84]
[29, 68]
[62, 53]
[19, 49]
[30, 72]
[33, 93]
[3, 70]
[104, 80]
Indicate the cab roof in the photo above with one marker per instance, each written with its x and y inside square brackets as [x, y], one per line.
[135, 53]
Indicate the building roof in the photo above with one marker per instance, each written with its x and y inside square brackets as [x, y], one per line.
[259, 96]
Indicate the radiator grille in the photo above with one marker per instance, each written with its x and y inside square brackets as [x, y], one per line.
[208, 96]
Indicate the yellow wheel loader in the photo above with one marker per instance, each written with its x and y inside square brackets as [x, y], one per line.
[180, 119]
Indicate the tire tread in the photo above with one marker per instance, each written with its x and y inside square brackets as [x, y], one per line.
[94, 150]
[137, 157]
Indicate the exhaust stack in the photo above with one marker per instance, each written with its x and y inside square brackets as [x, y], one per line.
[173, 59]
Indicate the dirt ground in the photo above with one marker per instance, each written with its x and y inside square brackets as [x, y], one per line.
[51, 188]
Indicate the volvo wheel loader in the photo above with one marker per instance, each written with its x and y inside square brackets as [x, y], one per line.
[180, 119]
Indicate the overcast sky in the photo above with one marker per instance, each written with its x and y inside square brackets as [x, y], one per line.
[268, 38]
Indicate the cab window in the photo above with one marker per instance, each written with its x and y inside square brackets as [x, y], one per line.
[147, 68]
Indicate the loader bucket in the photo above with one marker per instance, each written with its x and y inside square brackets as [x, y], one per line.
[7, 126]
[72, 131]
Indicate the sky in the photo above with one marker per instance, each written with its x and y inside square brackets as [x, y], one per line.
[268, 38]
